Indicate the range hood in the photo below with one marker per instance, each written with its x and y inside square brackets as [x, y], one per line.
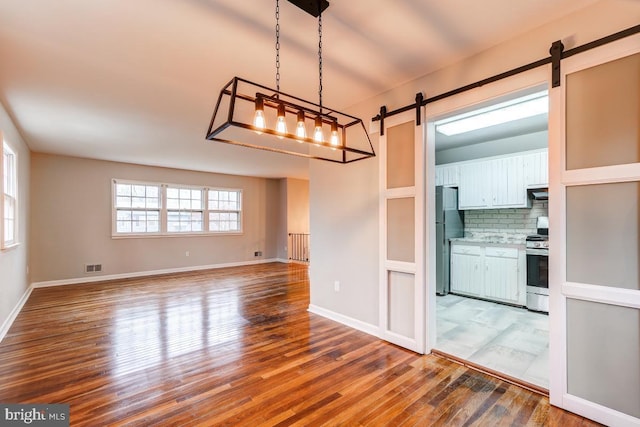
[539, 194]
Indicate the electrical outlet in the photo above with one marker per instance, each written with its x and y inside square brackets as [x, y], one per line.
[186, 253]
[257, 253]
[336, 286]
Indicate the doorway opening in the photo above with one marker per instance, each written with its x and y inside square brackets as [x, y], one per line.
[491, 179]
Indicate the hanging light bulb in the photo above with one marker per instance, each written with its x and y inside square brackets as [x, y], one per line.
[258, 118]
[281, 124]
[301, 130]
[317, 131]
[334, 139]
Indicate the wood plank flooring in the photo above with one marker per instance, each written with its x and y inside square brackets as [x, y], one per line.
[236, 347]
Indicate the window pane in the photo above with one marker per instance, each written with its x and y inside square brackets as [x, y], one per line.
[123, 216]
[173, 193]
[138, 190]
[138, 202]
[9, 227]
[153, 203]
[123, 227]
[123, 202]
[172, 204]
[197, 226]
[196, 204]
[139, 226]
[123, 189]
[185, 194]
[185, 203]
[153, 191]
[153, 226]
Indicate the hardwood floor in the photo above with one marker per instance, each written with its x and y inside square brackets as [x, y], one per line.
[236, 346]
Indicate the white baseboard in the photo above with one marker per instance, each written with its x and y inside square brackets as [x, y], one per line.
[14, 313]
[93, 279]
[286, 261]
[599, 413]
[365, 327]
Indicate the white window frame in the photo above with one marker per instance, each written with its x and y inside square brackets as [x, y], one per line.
[238, 211]
[115, 209]
[202, 209]
[13, 194]
[164, 211]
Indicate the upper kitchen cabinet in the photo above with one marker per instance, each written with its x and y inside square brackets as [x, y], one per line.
[507, 183]
[496, 183]
[536, 169]
[474, 190]
[448, 175]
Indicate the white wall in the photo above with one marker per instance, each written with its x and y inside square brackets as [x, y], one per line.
[71, 221]
[344, 198]
[344, 237]
[14, 280]
[297, 205]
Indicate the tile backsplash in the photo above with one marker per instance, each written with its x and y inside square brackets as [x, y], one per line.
[516, 222]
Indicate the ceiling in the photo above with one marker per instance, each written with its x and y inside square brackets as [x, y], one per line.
[136, 81]
[528, 125]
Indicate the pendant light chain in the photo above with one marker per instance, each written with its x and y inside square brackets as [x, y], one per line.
[320, 56]
[278, 45]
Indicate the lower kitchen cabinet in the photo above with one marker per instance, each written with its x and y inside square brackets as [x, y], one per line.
[466, 268]
[490, 272]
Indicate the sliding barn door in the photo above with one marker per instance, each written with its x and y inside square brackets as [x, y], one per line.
[595, 234]
[402, 287]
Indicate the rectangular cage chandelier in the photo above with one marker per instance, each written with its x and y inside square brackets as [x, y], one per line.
[251, 115]
[233, 123]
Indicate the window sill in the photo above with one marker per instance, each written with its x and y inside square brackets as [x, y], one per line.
[9, 247]
[172, 235]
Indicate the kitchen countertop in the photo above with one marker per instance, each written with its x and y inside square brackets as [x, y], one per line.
[491, 239]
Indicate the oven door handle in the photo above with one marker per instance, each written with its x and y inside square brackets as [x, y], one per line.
[540, 252]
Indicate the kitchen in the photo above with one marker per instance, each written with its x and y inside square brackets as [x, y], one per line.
[492, 237]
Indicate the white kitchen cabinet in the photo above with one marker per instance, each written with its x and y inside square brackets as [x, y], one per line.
[501, 275]
[488, 271]
[496, 183]
[536, 169]
[466, 270]
[475, 186]
[448, 175]
[507, 183]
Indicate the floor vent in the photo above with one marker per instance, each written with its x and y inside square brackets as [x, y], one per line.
[92, 268]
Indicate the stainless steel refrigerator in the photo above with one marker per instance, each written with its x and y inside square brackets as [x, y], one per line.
[449, 223]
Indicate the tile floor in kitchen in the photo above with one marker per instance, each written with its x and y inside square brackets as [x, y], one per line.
[507, 339]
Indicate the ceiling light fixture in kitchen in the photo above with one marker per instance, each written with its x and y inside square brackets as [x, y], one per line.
[254, 116]
[520, 108]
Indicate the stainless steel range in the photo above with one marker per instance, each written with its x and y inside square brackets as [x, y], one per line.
[537, 250]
